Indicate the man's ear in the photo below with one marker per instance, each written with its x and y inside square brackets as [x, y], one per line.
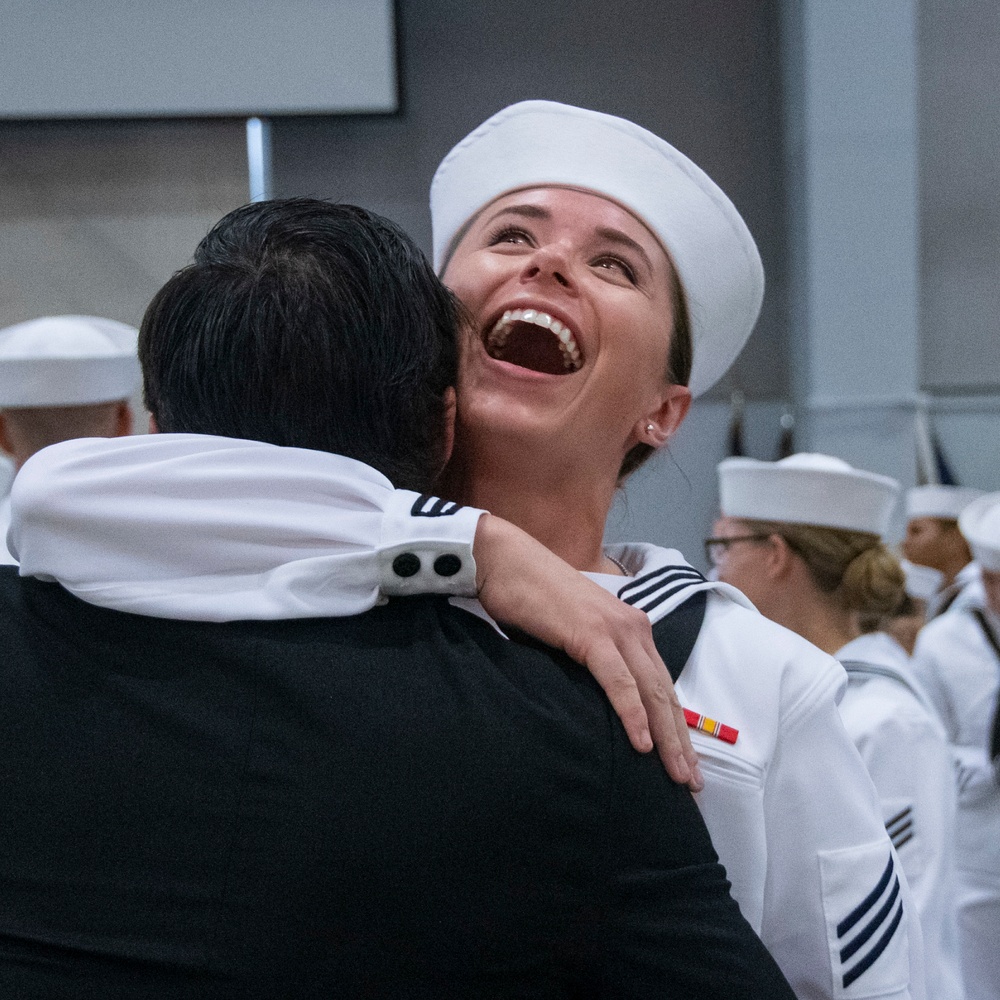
[657, 427]
[450, 413]
[6, 445]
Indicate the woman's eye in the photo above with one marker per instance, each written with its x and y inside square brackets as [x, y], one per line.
[616, 265]
[509, 234]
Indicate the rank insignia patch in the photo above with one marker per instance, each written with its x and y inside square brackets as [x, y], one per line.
[866, 921]
[900, 827]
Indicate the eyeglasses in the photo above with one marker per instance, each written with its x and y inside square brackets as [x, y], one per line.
[716, 548]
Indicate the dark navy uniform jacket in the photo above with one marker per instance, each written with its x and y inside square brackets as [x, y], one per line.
[401, 804]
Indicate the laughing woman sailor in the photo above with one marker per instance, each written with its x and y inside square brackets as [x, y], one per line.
[604, 273]
[609, 279]
[802, 539]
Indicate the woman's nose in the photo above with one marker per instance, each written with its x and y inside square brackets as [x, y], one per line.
[549, 263]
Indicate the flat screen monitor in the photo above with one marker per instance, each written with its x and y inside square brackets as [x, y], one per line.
[194, 58]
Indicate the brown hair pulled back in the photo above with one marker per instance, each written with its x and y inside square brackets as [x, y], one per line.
[853, 567]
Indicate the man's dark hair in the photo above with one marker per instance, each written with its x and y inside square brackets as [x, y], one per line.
[310, 325]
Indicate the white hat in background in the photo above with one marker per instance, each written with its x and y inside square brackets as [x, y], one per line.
[979, 522]
[67, 361]
[808, 489]
[537, 143]
[922, 582]
[939, 501]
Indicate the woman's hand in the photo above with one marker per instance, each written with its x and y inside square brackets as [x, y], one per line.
[525, 585]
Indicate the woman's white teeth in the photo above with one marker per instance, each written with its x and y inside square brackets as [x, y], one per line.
[498, 336]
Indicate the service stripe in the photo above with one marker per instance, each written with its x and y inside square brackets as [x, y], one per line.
[869, 960]
[867, 903]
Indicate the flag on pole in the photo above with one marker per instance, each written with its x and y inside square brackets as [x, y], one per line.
[786, 443]
[736, 404]
[933, 467]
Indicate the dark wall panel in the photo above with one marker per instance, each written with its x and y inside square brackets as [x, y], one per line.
[704, 76]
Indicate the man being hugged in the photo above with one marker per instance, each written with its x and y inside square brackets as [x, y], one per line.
[212, 788]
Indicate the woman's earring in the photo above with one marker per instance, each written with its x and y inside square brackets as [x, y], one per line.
[650, 428]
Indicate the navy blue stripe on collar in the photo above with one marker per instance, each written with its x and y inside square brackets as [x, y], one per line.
[662, 595]
[656, 579]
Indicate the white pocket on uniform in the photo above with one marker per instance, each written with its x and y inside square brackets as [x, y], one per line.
[866, 921]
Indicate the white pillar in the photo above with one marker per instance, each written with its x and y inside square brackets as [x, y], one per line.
[851, 156]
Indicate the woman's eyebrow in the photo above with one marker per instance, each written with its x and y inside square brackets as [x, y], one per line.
[525, 211]
[618, 237]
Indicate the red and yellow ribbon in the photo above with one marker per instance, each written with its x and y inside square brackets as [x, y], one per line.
[706, 725]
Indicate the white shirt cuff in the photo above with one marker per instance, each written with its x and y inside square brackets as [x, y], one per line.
[426, 546]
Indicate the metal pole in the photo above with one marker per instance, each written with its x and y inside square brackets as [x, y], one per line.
[259, 158]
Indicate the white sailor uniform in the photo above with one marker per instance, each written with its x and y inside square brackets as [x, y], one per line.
[6, 479]
[965, 591]
[790, 807]
[961, 674]
[897, 732]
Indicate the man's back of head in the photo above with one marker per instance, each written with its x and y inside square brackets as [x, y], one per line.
[310, 325]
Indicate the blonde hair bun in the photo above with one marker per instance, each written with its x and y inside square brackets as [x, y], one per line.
[873, 582]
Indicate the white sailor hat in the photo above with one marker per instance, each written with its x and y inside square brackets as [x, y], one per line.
[538, 143]
[939, 501]
[808, 489]
[67, 361]
[922, 582]
[979, 522]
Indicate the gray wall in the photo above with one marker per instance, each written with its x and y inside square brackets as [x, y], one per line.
[959, 88]
[94, 217]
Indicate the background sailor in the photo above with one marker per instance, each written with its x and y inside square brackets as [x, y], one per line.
[62, 377]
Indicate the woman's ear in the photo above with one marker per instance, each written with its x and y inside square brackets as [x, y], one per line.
[657, 427]
[779, 557]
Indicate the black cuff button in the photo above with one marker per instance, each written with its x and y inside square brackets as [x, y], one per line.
[447, 565]
[406, 564]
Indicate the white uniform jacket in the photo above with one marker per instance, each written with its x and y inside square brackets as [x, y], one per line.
[903, 745]
[790, 807]
[956, 666]
[965, 591]
[961, 674]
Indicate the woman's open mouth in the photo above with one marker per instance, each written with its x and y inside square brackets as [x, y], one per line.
[535, 340]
